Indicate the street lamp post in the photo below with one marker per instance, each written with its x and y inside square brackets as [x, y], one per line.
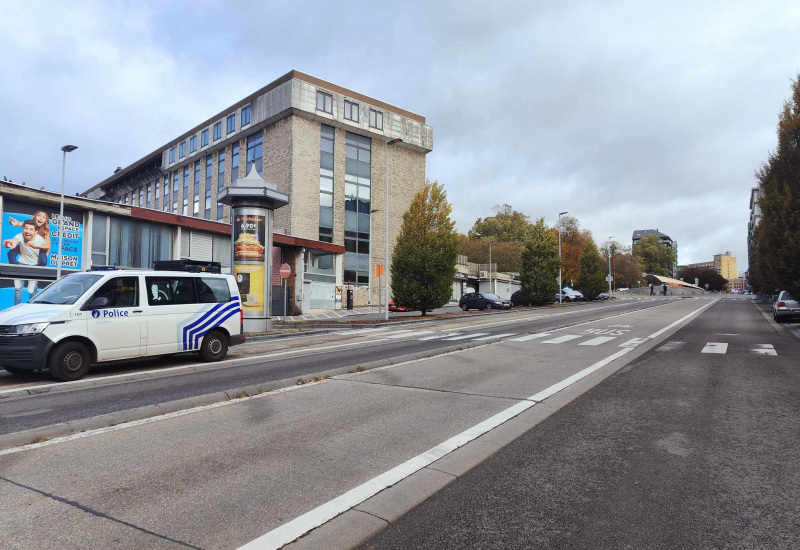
[560, 286]
[386, 267]
[609, 264]
[491, 290]
[66, 149]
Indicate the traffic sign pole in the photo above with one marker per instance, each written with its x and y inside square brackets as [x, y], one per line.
[285, 272]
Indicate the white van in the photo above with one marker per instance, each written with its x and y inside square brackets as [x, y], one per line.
[98, 316]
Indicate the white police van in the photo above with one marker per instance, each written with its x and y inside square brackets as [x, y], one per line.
[109, 314]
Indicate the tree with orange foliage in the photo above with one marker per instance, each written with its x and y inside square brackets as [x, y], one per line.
[573, 243]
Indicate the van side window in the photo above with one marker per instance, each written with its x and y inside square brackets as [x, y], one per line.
[168, 291]
[211, 290]
[120, 291]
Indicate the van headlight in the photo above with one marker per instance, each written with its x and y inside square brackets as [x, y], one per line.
[32, 328]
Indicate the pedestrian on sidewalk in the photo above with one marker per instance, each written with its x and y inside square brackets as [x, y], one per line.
[652, 289]
[665, 289]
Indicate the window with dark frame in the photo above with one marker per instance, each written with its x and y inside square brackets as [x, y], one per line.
[245, 115]
[231, 124]
[357, 201]
[234, 163]
[172, 154]
[207, 213]
[376, 119]
[220, 183]
[185, 190]
[255, 151]
[217, 131]
[351, 110]
[326, 184]
[204, 138]
[324, 102]
[193, 144]
[175, 192]
[182, 149]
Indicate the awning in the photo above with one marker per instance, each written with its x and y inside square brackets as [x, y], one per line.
[674, 282]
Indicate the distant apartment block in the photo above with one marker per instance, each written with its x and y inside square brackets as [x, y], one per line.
[665, 240]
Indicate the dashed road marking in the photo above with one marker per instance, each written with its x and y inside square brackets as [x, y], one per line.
[633, 342]
[562, 339]
[715, 347]
[597, 341]
[530, 337]
[465, 336]
[764, 349]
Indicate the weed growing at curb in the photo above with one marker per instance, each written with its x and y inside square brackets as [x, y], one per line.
[361, 368]
[242, 395]
[301, 381]
[39, 440]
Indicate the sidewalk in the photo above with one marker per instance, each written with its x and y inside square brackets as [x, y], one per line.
[370, 313]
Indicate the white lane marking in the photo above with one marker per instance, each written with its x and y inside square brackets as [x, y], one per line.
[497, 336]
[725, 334]
[633, 342]
[409, 334]
[288, 532]
[435, 336]
[682, 319]
[597, 341]
[363, 330]
[671, 346]
[764, 349]
[715, 347]
[561, 339]
[465, 336]
[530, 337]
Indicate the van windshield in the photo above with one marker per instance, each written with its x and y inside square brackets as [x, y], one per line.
[67, 290]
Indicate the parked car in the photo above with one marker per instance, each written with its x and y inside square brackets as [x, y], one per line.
[518, 299]
[603, 296]
[785, 307]
[570, 295]
[397, 307]
[483, 300]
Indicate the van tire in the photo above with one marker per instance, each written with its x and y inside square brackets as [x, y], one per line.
[69, 361]
[214, 347]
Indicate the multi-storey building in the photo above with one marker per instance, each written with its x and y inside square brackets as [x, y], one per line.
[725, 265]
[665, 240]
[324, 145]
[755, 218]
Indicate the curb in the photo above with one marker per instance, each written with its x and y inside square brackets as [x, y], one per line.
[783, 330]
[36, 435]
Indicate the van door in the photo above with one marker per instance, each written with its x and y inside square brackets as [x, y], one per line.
[118, 330]
[171, 300]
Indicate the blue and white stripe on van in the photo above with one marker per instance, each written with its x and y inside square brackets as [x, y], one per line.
[195, 328]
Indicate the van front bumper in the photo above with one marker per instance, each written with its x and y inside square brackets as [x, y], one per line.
[26, 351]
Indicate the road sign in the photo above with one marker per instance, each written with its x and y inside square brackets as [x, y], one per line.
[379, 270]
[285, 271]
[609, 278]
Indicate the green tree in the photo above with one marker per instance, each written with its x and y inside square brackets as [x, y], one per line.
[540, 264]
[424, 258]
[626, 269]
[704, 276]
[654, 257]
[591, 280]
[506, 225]
[777, 244]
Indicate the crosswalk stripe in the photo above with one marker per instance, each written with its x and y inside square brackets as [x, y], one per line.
[407, 334]
[597, 341]
[562, 339]
[633, 342]
[497, 336]
[465, 336]
[362, 330]
[529, 337]
[435, 336]
[764, 349]
[715, 347]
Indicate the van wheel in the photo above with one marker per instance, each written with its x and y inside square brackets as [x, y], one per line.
[69, 361]
[215, 346]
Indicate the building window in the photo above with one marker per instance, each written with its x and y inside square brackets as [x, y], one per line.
[235, 164]
[324, 102]
[203, 138]
[207, 214]
[165, 206]
[351, 110]
[185, 190]
[357, 200]
[376, 119]
[149, 196]
[196, 212]
[220, 183]
[193, 144]
[245, 115]
[172, 154]
[231, 124]
[182, 149]
[175, 192]
[141, 196]
[326, 184]
[137, 244]
[254, 151]
[217, 131]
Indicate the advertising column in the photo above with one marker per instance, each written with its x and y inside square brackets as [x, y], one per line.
[252, 255]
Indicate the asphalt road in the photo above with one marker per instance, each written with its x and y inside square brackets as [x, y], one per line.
[297, 358]
[257, 468]
[681, 449]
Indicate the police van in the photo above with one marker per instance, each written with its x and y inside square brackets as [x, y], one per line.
[108, 314]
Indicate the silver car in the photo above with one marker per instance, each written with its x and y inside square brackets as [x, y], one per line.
[785, 307]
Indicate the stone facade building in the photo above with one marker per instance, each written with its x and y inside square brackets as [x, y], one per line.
[324, 145]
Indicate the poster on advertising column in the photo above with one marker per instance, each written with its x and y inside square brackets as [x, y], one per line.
[30, 236]
[249, 252]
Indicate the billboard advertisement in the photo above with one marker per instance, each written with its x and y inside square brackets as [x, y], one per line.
[249, 234]
[249, 231]
[30, 236]
[250, 280]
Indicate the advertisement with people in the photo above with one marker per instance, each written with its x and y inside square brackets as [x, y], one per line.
[30, 236]
[250, 280]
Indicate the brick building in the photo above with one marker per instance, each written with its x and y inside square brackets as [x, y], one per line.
[322, 144]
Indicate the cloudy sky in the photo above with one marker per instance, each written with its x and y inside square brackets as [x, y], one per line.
[629, 115]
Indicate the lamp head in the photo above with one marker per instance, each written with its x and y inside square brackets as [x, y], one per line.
[562, 213]
[69, 148]
[394, 141]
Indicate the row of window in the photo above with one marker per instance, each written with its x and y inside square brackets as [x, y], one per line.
[123, 292]
[351, 110]
[230, 127]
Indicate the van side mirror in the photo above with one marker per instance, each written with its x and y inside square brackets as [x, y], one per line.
[98, 303]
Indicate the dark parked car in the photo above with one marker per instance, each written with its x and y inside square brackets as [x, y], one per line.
[518, 299]
[483, 300]
[603, 296]
[785, 307]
